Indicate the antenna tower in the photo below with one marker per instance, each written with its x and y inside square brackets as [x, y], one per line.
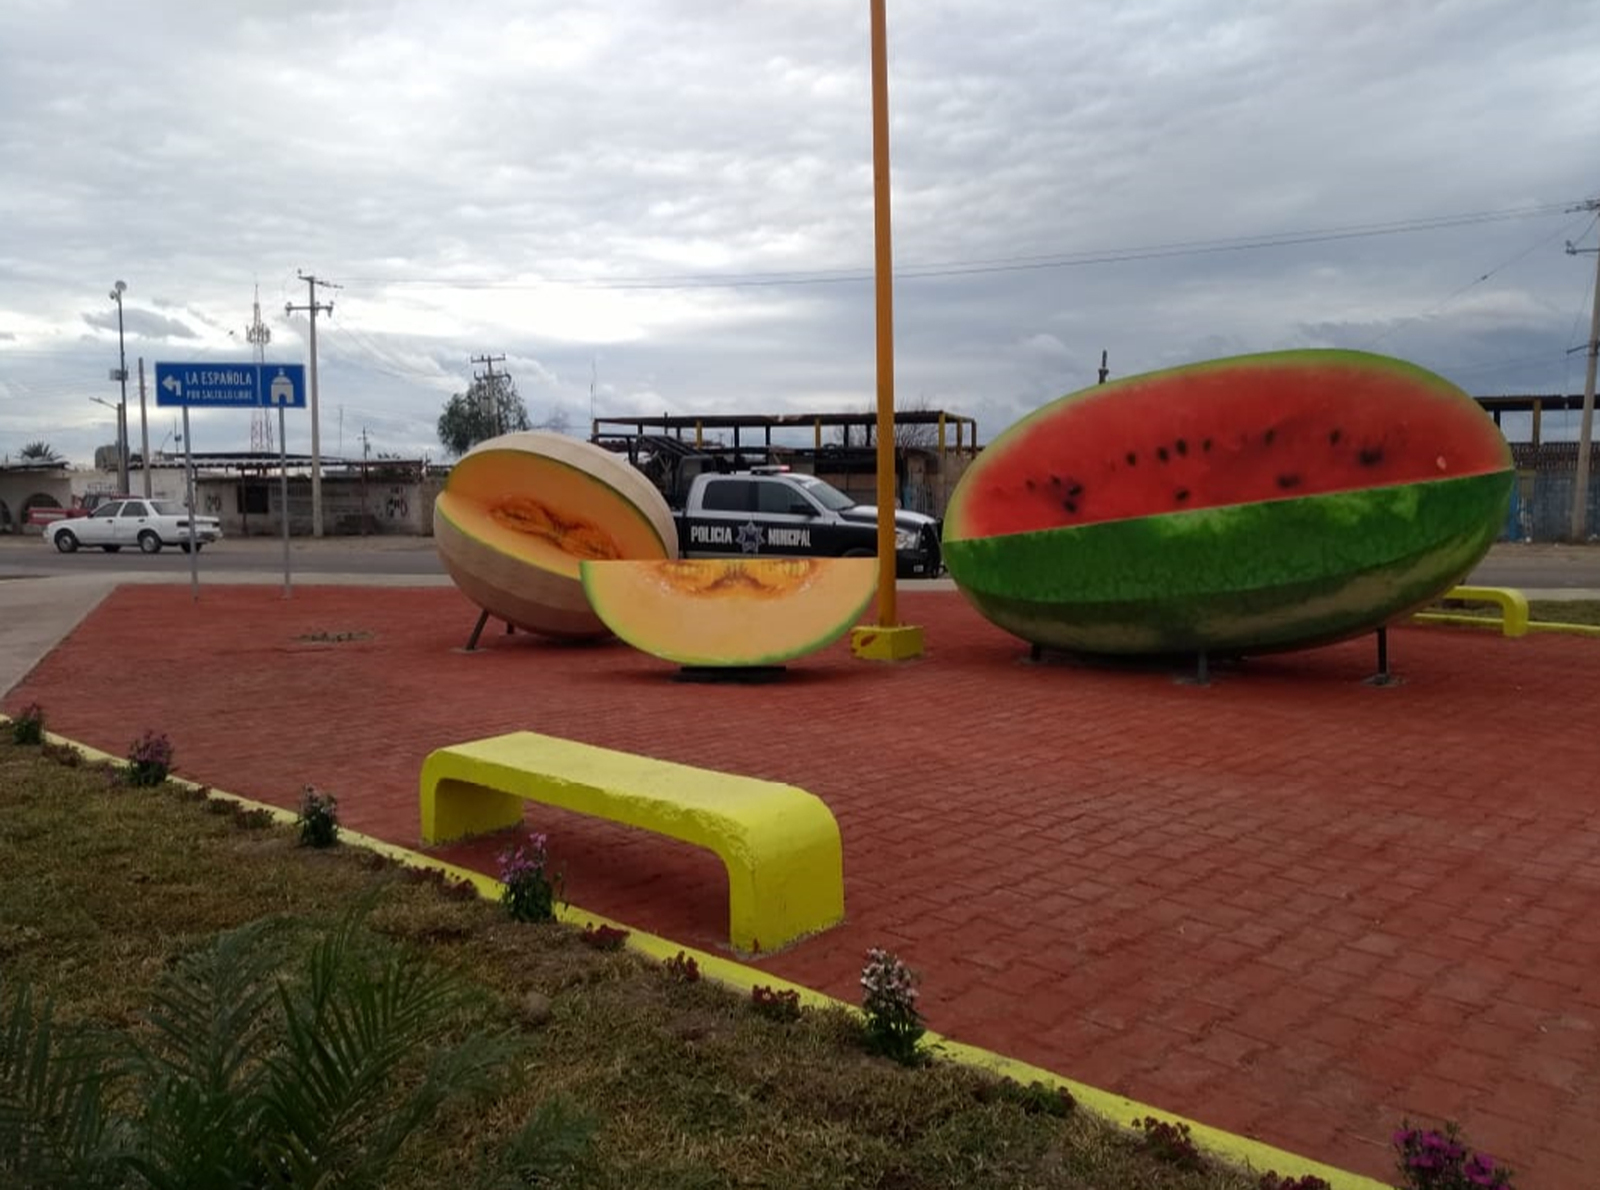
[259, 335]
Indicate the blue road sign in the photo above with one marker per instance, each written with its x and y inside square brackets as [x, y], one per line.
[247, 385]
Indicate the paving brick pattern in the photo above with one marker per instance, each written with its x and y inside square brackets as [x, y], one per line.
[1289, 904]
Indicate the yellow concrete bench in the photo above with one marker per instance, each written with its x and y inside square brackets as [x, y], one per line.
[1513, 608]
[779, 843]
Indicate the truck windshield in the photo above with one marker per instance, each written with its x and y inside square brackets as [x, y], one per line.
[824, 493]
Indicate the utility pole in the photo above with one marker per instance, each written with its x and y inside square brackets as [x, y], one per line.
[1580, 490]
[316, 433]
[492, 387]
[144, 433]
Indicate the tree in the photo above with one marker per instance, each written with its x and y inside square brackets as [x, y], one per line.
[39, 452]
[907, 435]
[489, 408]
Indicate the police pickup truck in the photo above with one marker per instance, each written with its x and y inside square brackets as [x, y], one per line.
[771, 510]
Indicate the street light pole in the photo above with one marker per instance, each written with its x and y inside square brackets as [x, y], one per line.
[121, 375]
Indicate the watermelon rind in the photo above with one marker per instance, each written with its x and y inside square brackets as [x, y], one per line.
[1236, 579]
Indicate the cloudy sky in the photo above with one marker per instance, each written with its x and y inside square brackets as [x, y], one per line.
[669, 203]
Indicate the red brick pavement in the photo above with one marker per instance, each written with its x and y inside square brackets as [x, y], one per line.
[1289, 904]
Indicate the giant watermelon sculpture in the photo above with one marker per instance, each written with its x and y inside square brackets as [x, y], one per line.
[521, 511]
[1250, 504]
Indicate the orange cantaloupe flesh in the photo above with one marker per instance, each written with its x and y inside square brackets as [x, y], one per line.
[730, 611]
[520, 512]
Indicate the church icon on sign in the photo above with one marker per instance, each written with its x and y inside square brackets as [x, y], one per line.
[281, 391]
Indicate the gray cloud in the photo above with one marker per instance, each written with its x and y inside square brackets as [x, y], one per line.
[594, 192]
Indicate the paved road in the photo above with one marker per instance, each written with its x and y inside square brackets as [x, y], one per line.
[1545, 568]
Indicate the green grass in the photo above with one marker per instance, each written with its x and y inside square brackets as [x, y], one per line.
[106, 887]
[1565, 611]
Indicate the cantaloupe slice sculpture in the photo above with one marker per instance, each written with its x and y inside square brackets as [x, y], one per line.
[1249, 504]
[521, 511]
[724, 612]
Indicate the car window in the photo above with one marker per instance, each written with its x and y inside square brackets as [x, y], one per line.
[729, 495]
[108, 510]
[134, 508]
[169, 508]
[781, 498]
[825, 494]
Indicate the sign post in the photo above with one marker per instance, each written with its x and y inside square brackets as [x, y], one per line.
[188, 475]
[283, 482]
[233, 386]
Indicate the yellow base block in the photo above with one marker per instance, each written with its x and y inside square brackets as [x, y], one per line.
[872, 643]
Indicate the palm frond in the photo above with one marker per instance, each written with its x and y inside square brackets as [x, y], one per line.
[53, 1124]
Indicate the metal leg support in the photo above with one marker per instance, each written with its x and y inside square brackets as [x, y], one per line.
[472, 643]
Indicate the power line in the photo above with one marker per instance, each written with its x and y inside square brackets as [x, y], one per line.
[1476, 281]
[960, 268]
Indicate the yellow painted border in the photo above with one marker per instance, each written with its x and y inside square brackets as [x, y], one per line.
[1116, 1109]
[1514, 619]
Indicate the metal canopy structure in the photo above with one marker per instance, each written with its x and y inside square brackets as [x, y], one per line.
[954, 430]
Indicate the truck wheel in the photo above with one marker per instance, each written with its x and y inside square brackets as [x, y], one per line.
[149, 542]
[65, 541]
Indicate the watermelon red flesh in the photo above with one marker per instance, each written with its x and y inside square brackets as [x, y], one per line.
[1279, 425]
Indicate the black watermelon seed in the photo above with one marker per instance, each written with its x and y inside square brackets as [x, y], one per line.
[1269, 436]
[1055, 481]
[1029, 484]
[1071, 506]
[1206, 444]
[1288, 481]
[1182, 494]
[1075, 490]
[1161, 453]
[1333, 437]
[1133, 459]
[1370, 456]
[1183, 447]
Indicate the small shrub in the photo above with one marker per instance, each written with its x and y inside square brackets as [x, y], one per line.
[28, 727]
[252, 819]
[1037, 1099]
[1429, 1159]
[149, 760]
[530, 892]
[1273, 1180]
[682, 968]
[319, 818]
[893, 1025]
[1170, 1142]
[604, 937]
[66, 755]
[775, 1004]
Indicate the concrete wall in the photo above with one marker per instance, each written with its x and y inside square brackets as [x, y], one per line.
[25, 488]
[254, 507]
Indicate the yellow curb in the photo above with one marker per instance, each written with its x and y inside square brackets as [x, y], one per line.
[1255, 1156]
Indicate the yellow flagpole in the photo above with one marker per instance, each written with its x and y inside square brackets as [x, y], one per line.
[885, 309]
[888, 641]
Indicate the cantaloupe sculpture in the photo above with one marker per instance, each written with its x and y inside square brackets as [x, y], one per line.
[731, 612]
[1249, 504]
[521, 511]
